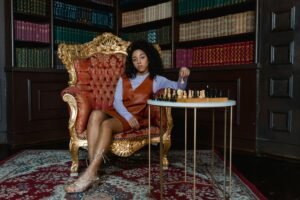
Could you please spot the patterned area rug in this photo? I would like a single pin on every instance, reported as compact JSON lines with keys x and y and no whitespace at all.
{"x":41,"y":174}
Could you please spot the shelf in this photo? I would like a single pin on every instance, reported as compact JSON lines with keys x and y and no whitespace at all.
{"x":217,"y":12}
{"x":32,"y":17}
{"x":147,"y":26}
{"x":217,"y":68}
{"x":19,"y":43}
{"x":139,"y":4}
{"x":86,"y":27}
{"x":37,"y":70}
{"x":216,"y":40}
{"x":88,"y":4}
{"x":165,"y":46}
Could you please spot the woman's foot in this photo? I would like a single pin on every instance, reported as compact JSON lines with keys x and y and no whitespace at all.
{"x":81,"y":184}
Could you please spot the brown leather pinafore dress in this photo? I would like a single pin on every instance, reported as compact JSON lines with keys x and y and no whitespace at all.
{"x":135,"y":100}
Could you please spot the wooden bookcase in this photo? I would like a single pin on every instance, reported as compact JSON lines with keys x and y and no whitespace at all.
{"x":35,"y":77}
{"x":230,"y":76}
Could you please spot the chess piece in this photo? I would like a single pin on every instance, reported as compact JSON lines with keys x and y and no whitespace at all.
{"x":190,"y":94}
{"x":202,"y":94}
{"x":198,"y":94}
{"x":165,"y":94}
{"x":174,"y":95}
{"x":180,"y":94}
{"x":169,"y":94}
{"x":184,"y":94}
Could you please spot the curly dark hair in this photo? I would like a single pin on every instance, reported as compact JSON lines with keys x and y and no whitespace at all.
{"x":155,"y":66}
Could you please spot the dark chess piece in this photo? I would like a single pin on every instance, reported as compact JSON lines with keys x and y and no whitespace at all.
{"x":220,"y":93}
{"x":213,"y":93}
{"x":208,"y":92}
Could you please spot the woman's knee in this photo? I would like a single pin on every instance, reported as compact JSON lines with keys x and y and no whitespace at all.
{"x":96,"y":116}
{"x":112,"y":125}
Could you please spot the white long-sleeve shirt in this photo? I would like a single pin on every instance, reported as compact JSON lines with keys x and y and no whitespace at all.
{"x":159,"y":82}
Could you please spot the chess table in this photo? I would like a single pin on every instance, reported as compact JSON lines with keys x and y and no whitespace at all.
{"x":196,"y":105}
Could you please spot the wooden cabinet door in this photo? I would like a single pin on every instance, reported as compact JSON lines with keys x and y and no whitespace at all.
{"x":279,"y":78}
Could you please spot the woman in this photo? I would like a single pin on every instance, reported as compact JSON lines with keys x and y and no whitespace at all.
{"x":141,"y":80}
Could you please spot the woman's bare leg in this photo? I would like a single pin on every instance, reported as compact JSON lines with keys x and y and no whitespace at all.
{"x":93,"y":130}
{"x":108,"y":127}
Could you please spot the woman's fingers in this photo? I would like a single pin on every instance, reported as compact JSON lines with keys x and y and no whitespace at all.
{"x":134,"y":123}
{"x":184,"y":72}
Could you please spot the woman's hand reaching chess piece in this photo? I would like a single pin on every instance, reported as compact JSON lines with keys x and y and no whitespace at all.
{"x":184,"y":73}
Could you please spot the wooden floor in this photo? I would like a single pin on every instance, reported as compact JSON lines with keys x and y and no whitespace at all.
{"x":276,"y":178}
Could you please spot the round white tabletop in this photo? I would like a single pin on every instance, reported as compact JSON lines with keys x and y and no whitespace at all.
{"x":191,"y":105}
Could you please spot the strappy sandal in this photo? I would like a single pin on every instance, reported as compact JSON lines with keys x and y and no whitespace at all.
{"x":99,"y":154}
{"x":83,"y":184}
{"x":80,"y":185}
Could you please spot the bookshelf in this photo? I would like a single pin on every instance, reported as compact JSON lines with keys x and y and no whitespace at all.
{"x":31,"y":25}
{"x":214,"y":33}
{"x":80,"y":22}
{"x":216,"y":39}
{"x":38,"y":26}
{"x":152,"y":19}
{"x":189,"y":29}
{"x":35,"y":77}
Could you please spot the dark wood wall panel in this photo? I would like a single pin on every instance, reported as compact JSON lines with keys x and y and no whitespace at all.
{"x":1,"y":99}
{"x":3,"y":34}
{"x":38,"y":113}
{"x":281,"y":121}
{"x":281,"y":87}
{"x":283,"y":20}
{"x":279,"y":78}
{"x":242,"y":88}
{"x":282,"y":54}
{"x":44,"y":101}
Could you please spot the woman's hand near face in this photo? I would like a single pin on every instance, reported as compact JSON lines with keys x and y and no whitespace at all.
{"x":134,"y":123}
{"x":184,"y":72}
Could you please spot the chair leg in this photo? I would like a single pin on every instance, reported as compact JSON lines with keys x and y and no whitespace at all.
{"x":74,"y":150}
{"x":166,"y":148}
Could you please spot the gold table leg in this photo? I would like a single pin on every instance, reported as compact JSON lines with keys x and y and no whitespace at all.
{"x":160,"y":156}
{"x":149,"y":150}
{"x":225,"y":152}
{"x":195,"y":147}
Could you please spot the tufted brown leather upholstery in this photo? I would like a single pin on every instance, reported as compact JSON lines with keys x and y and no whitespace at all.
{"x":93,"y":77}
{"x":97,"y":77}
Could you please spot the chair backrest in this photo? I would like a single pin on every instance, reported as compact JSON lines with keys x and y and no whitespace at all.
{"x":95,"y":67}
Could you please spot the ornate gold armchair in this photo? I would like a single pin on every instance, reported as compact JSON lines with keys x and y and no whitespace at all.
{"x":94,"y":69}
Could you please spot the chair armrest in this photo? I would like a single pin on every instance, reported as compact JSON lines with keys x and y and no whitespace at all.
{"x":80,"y":107}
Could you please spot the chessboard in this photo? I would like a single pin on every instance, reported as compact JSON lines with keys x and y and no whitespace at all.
{"x":202,"y":100}
{"x":192,"y":96}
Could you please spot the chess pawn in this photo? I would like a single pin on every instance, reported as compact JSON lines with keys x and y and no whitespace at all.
{"x":207,"y":91}
{"x":174,"y":95}
{"x":184,"y":94}
{"x":198,"y":94}
{"x":165,"y":94}
{"x":190,"y":94}
{"x":202,"y":94}
{"x":168,"y":94}
{"x":220,"y":93}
